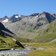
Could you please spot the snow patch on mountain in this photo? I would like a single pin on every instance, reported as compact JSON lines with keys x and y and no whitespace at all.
{"x":16,"y":16}
{"x":6,"y":20}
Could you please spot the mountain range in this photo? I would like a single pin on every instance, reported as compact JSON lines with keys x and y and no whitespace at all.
{"x":37,"y":27}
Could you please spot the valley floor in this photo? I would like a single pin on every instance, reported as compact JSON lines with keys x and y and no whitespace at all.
{"x":42,"y":49}
{"x":35,"y":49}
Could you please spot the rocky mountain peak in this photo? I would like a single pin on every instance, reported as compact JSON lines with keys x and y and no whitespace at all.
{"x":34,"y":14}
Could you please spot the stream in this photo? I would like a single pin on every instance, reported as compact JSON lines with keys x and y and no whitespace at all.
{"x":14,"y":52}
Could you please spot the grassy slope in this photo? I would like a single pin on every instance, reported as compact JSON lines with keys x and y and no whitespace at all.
{"x":42,"y":35}
{"x":47,"y":52}
{"x":43,"y":39}
{"x":48,"y":34}
{"x":6,"y":43}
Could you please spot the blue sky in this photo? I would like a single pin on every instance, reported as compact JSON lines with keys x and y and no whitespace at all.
{"x":26,"y":7}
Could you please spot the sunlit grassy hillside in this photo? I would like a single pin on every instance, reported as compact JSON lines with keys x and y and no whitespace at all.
{"x":48,"y":34}
{"x":6,"y":43}
{"x":47,"y":52}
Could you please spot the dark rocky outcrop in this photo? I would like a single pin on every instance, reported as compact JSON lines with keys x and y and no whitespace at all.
{"x":6,"y":32}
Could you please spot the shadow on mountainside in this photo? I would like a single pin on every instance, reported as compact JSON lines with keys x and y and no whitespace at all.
{"x":6,"y":32}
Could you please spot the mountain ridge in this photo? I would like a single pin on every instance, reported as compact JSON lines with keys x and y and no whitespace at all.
{"x":28,"y":27}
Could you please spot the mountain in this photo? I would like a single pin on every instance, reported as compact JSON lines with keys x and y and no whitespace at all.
{"x":31,"y":21}
{"x":28,"y":27}
{"x":4,"y":19}
{"x":15,"y":18}
{"x":48,"y":34}
{"x":4,"y":32}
